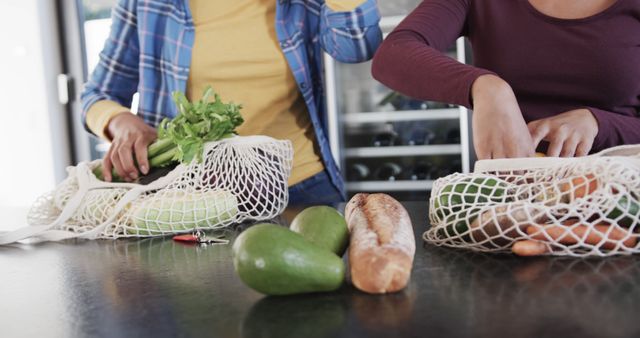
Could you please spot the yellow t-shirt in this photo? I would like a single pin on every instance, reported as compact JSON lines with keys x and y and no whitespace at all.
{"x":236,"y":51}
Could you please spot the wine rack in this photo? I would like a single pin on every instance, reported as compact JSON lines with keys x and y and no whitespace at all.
{"x":386,"y":142}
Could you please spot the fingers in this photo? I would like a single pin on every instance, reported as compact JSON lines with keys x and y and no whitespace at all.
{"x":125,"y":153}
{"x":565,"y":137}
{"x":121,"y":157}
{"x":482,"y":151}
{"x":483,"y":154}
{"x":140,"y":148}
{"x":131,"y":137}
{"x":126,"y":156}
{"x":569,"y":147}
{"x":115,"y":160}
{"x":584,"y":147}
{"x":538,"y":131}
{"x":498,"y":152}
{"x":557,"y":139}
{"x":107,"y":165}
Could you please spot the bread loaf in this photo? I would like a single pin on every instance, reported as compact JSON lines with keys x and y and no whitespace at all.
{"x":382,"y":243}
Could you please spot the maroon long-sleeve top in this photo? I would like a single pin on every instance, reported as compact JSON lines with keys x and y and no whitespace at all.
{"x":553,"y":65}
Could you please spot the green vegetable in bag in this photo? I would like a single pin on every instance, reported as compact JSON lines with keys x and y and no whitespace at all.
{"x":176,"y":211}
{"x":625,"y":206}
{"x":470,"y":191}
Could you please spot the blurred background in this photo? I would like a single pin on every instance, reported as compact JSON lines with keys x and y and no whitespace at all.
{"x":51,"y":48}
{"x":383,"y":141}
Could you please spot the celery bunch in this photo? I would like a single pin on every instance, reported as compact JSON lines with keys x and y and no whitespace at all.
{"x":182,"y":138}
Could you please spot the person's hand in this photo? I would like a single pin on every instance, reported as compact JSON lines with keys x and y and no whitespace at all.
{"x":130,"y":138}
{"x":569,"y":134}
{"x":499,"y":130}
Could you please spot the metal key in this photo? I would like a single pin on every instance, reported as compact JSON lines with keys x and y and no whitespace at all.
{"x":199,"y":237}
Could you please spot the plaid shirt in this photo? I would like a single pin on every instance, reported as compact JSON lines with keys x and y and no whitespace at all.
{"x":149,"y":52}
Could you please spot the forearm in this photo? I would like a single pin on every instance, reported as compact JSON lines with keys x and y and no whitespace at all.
{"x":407,"y":63}
{"x":615,"y":129}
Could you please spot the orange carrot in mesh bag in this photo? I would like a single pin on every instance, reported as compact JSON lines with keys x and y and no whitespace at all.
{"x":528,"y":248}
{"x":604,"y":235}
{"x":578,"y":187}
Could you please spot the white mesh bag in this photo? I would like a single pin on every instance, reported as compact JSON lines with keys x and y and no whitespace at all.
{"x":239,"y":178}
{"x":588,"y":206}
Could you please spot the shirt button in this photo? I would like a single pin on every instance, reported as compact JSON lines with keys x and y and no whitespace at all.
{"x":303,"y":85}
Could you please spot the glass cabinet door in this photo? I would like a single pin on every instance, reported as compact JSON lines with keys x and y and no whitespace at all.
{"x":386,"y":141}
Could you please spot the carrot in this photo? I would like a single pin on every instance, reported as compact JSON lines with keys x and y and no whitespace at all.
{"x":529,"y":248}
{"x":572,"y":233}
{"x":578,"y":187}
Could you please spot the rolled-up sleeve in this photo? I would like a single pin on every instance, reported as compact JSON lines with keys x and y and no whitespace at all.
{"x":115,"y":78}
{"x":351,"y":36}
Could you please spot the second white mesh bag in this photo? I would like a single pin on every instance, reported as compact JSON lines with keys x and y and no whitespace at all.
{"x":587,"y":206}
{"x":238,"y":179}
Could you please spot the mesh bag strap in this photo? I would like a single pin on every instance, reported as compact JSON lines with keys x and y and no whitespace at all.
{"x":86,"y":182}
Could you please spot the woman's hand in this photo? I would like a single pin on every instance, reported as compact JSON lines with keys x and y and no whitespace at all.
{"x":499,"y":130}
{"x":569,"y":134}
{"x":130,"y":138}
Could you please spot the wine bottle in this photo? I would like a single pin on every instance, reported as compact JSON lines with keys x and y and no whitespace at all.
{"x":385,"y":139}
{"x":420,"y":171}
{"x":388,"y":171}
{"x":421,"y":136}
{"x":358,"y":172}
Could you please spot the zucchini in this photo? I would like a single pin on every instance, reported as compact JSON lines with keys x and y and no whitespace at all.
{"x":179,"y":211}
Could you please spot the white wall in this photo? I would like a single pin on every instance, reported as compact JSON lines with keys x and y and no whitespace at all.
{"x":26,"y":154}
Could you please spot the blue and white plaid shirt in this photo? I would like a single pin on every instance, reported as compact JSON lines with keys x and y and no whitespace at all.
{"x":149,"y":52}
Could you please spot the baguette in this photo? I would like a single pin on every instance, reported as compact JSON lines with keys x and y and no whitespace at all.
{"x":382,"y":243}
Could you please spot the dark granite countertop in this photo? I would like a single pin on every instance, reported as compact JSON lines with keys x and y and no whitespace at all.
{"x":156,"y":287}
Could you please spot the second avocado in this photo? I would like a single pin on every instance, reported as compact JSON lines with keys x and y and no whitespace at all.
{"x":323,"y":226}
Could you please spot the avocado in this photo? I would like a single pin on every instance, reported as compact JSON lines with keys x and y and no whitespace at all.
{"x":323,"y":226}
{"x":274,"y":260}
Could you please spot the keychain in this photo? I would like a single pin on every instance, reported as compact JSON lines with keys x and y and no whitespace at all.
{"x":199,"y":237}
